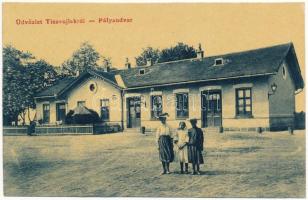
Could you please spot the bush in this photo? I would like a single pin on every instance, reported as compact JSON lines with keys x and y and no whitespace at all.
{"x":69,"y":117}
{"x":91,"y":118}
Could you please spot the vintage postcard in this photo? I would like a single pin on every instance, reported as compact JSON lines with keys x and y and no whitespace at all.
{"x":154,"y":100}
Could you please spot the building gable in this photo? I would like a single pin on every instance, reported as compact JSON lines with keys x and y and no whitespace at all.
{"x":67,"y":84}
{"x":91,"y":91}
{"x":294,"y":69}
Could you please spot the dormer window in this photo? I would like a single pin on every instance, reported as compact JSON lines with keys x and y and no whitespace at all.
{"x":219,"y":61}
{"x":141,"y":71}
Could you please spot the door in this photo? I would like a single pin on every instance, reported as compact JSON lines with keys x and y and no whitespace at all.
{"x":134,"y":112}
{"x":46,"y":113}
{"x":60,"y":111}
{"x":211,"y":108}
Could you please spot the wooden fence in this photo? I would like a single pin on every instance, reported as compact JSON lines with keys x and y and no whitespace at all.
{"x":64,"y":129}
{"x":15,"y":130}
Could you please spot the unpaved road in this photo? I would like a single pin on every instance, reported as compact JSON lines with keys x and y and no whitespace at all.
{"x":237,"y":165}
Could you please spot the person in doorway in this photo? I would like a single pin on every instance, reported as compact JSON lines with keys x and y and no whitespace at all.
{"x":165,"y":143}
{"x":181,"y":141}
{"x":195,"y":146}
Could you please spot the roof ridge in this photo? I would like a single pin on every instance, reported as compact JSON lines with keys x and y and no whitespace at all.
{"x":219,"y":55}
{"x":251,"y":50}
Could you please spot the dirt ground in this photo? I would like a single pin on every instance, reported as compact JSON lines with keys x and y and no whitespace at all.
{"x":237,"y":165}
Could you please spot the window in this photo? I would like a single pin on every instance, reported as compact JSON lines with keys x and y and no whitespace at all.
{"x":46,"y":113}
{"x":141,"y":71}
{"x":60,"y":111}
{"x":156,"y":106}
{"x":218,"y":61}
{"x":182,"y":105}
{"x":92,"y":87}
{"x":243,"y":102}
{"x":284,"y":73}
{"x":105,"y":109}
{"x":81,"y":103}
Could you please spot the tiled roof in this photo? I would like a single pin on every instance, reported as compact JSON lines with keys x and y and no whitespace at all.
{"x":108,"y":76}
{"x":247,"y":63}
{"x":57,"y":88}
{"x":263,"y":61}
{"x":64,"y":84}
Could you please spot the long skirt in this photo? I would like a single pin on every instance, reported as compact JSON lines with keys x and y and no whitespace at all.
{"x":183,"y":154}
{"x":165,"y":145}
{"x":194,"y":155}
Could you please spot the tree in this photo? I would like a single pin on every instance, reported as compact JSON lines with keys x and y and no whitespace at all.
{"x":179,"y":52}
{"x":86,"y":57}
{"x":14,"y":87}
{"x":106,"y":64}
{"x":147,"y":53}
{"x":22,"y":78}
{"x":38,"y":75}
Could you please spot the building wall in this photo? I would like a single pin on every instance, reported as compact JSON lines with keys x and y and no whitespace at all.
{"x":266,"y":111}
{"x":39,"y":110}
{"x":282,"y":102}
{"x":92,"y":99}
{"x":260,"y":105}
{"x":169,"y":107}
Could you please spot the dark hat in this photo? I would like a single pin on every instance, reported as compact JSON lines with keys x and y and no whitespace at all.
{"x":193,"y":120}
{"x":163,"y":116}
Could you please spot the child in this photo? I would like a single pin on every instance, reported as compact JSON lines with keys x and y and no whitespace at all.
{"x":182,"y":140}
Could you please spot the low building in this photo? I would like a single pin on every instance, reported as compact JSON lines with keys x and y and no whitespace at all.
{"x":236,"y":91}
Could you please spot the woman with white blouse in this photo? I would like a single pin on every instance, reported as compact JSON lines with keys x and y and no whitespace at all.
{"x":165,"y":145}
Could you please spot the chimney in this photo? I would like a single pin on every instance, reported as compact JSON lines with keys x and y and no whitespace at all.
{"x":200,"y":52}
{"x":77,"y":73}
{"x":149,"y":62}
{"x":107,"y":68}
{"x":127,"y":64}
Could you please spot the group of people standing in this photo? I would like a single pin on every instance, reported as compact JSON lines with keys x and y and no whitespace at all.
{"x":188,"y":145}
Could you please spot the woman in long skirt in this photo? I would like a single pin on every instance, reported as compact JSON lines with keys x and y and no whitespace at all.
{"x":195,"y":146}
{"x":165,"y":144}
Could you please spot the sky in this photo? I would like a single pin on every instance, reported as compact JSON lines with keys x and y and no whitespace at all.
{"x":220,"y":28}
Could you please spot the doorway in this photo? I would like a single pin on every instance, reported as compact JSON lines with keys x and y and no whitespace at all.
{"x":211,"y":108}
{"x":133,"y":112}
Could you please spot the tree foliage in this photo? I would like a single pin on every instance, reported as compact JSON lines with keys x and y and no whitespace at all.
{"x":14,"y":89}
{"x":39,"y":75}
{"x":178,"y":52}
{"x":23,"y":76}
{"x":86,"y":57}
{"x":147,"y":53}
